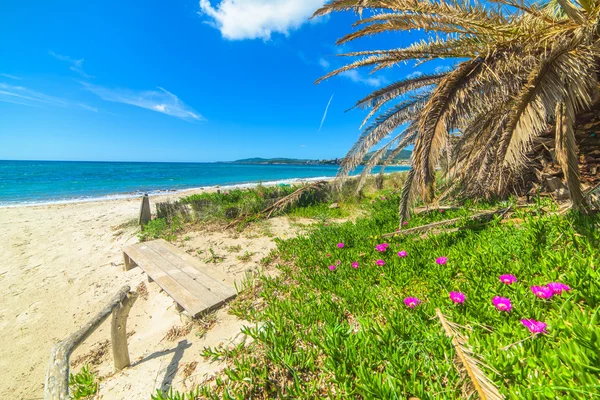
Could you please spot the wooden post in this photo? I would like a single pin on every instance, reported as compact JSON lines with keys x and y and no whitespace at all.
{"x":57,"y":375}
{"x":118,"y":332}
{"x":145,"y":214}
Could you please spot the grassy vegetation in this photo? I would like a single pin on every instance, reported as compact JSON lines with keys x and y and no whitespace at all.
{"x":223,"y":207}
{"x":83,"y":385}
{"x":346,"y":332}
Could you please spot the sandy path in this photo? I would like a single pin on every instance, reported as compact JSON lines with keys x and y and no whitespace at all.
{"x":58,"y":266}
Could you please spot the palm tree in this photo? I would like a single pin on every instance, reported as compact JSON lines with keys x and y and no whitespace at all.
{"x":517,"y":68}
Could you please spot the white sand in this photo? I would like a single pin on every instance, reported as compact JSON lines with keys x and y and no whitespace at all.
{"x":60,"y":263}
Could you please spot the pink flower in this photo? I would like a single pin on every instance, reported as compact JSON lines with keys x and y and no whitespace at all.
{"x":354,"y":264}
{"x":405,"y":223}
{"x":340,"y":245}
{"x":441,"y":260}
{"x":502,"y":303}
{"x":457,"y":297}
{"x":441,"y":210}
{"x":328,"y":255}
{"x":381,"y":263}
{"x":558,"y":288}
{"x":338,"y":262}
{"x":402,"y":253}
{"x":383,"y":198}
{"x":534,"y":326}
{"x":508,"y":279}
{"x":382,"y":247}
{"x":332,"y":267}
{"x":412,"y":302}
{"x":543,"y":292}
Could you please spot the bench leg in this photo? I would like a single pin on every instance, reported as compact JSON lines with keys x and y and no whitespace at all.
{"x":128,"y":262}
{"x":150,"y":280}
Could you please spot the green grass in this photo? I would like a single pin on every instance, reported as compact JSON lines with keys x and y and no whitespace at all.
{"x":83,"y":385}
{"x":347,"y":333}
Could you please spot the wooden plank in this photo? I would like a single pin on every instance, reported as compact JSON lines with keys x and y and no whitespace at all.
{"x":182,"y":295}
{"x":171,"y":264}
{"x":192,"y":267}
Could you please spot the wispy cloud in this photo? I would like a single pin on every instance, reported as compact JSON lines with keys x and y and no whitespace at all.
{"x":357,"y":77}
{"x":76,"y":65}
{"x":28,"y":97}
{"x":442,"y":68}
{"x":160,"y":100}
{"x":324,"y":63}
{"x":325,"y":113}
{"x":87,"y":107}
{"x":252,"y":19}
{"x":415,"y":74}
{"x":9,"y":76}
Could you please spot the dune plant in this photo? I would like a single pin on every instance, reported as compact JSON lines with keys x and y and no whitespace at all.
{"x":517,"y":67}
{"x":340,"y":324}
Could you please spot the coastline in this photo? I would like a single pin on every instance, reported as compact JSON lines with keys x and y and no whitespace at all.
{"x":163,"y":194}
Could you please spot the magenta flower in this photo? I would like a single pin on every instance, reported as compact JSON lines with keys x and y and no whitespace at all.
{"x":332,"y":267}
{"x":328,"y":255}
{"x":508,"y":279}
{"x":402,"y":253}
{"x":558,"y":288}
{"x":381,"y":263}
{"x":457,"y":297}
{"x":534,"y":326}
{"x":405,"y":223}
{"x":502,"y":303}
{"x":383,"y":198}
{"x":543,"y":292}
{"x":441,"y":260}
{"x":382,"y":247}
{"x":340,"y":245}
{"x":412,"y":302}
{"x":354,"y":264}
{"x":441,"y":210}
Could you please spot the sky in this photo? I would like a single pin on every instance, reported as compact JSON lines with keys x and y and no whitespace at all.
{"x":179,"y":80}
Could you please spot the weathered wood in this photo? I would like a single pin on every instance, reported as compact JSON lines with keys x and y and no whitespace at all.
{"x":428,"y":227}
{"x":57,"y":374}
{"x":145,"y":213}
{"x":128,"y":263}
{"x":118,"y":332}
{"x":181,"y":277}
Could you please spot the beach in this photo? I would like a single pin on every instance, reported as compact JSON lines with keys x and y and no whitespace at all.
{"x":61,"y":263}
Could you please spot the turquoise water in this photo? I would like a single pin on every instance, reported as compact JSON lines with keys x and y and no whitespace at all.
{"x":35,"y":182}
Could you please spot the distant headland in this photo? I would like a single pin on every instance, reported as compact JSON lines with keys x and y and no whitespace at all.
{"x":401,"y":159}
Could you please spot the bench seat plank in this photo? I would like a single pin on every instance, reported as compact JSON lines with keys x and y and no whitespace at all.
{"x":192,"y":289}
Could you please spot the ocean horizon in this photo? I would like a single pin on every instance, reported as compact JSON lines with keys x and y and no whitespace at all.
{"x":48,"y":182}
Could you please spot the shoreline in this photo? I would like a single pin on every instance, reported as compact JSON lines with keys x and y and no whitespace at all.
{"x":174,"y":192}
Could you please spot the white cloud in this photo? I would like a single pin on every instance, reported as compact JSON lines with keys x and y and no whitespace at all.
{"x":76,"y":65}
{"x":9,"y":76}
{"x":355,"y":76}
{"x":324,"y":63}
{"x":415,"y":74}
{"x":159,"y":100}
{"x":28,"y":97}
{"x":87,"y":107}
{"x":442,"y":68}
{"x":252,"y":19}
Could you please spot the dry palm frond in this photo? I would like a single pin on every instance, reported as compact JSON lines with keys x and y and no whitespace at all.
{"x":512,"y":65}
{"x":468,"y":364}
{"x":566,"y":152}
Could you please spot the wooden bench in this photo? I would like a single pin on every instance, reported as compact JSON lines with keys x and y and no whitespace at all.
{"x":185,"y":279}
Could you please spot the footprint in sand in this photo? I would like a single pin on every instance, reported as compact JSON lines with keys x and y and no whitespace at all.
{"x":30,"y":315}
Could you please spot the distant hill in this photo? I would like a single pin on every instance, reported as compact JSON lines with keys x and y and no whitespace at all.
{"x":258,"y":160}
{"x":403,"y":156}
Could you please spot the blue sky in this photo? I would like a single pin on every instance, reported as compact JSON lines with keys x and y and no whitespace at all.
{"x":179,"y":80}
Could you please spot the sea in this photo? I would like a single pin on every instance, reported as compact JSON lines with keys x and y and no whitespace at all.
{"x":46,"y":182}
